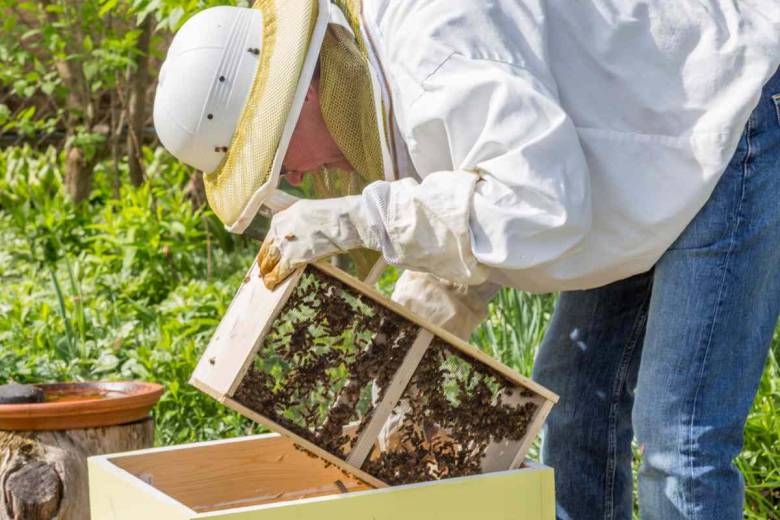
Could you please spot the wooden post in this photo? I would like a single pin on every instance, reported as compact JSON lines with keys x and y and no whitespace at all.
{"x":43,"y":474}
{"x":136,"y":109}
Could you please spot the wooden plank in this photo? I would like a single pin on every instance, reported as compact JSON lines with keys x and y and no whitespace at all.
{"x":376,"y":272}
{"x":246,"y":322}
{"x":453,"y":340}
{"x":189,"y":445}
{"x":220,"y":476}
{"x":533,"y":430}
{"x":393,"y":394}
{"x":306,"y":444}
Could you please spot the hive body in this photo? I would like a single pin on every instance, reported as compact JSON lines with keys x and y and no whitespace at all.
{"x":265,"y":478}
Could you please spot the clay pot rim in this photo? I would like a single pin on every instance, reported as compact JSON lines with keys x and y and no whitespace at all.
{"x":136,"y":396}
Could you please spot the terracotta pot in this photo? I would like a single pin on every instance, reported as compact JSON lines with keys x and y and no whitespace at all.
{"x":69,"y":406}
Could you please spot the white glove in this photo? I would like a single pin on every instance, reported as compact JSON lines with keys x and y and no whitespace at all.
{"x":310,"y":230}
{"x":455,"y":308}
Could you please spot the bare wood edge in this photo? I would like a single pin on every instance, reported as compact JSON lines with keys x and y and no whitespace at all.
{"x":531,"y":433}
{"x":284,"y":294}
{"x":376,"y":271}
{"x":308,"y":445}
{"x":203,"y":372}
{"x":450,"y":338}
{"x":393,"y":394}
{"x":111,"y":457}
{"x":206,"y":389}
{"x":204,"y":357}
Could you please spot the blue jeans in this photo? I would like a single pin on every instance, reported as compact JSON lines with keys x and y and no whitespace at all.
{"x":673,"y":356}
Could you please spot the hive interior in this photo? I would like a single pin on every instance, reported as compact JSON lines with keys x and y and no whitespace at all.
{"x":248,"y":471}
{"x":327,"y":361}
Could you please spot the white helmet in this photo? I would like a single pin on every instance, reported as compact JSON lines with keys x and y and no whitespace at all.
{"x":204,"y":83}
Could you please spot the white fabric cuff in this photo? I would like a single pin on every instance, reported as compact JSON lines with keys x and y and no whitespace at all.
{"x":424,"y":226}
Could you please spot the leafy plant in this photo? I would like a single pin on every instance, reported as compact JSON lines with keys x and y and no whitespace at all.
{"x":80,"y":73}
{"x":127,"y":288}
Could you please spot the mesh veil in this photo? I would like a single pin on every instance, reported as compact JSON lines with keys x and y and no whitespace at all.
{"x":248,"y":163}
{"x":347,"y":103}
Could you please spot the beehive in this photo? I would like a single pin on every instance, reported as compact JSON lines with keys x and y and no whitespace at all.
{"x":359,"y":381}
{"x":265,"y":478}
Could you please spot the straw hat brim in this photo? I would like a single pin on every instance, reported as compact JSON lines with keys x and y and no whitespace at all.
{"x":293,"y":31}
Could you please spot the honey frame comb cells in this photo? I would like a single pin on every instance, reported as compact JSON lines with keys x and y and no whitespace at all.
{"x":359,"y":381}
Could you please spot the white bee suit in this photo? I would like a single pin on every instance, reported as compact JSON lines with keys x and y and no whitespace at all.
{"x":558,"y":145}
{"x":545,"y":146}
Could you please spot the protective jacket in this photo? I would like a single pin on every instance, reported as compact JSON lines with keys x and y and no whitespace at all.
{"x":556,"y":145}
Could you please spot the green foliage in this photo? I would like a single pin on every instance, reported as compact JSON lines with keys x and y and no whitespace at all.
{"x":63,"y":59}
{"x":116,"y":289}
{"x":760,"y":459}
{"x":514,"y":327}
{"x":133,"y":287}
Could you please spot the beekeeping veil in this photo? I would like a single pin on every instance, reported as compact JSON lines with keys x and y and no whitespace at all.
{"x":253,"y":68}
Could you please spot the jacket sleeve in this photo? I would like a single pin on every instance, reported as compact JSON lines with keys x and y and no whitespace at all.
{"x":504,"y":182}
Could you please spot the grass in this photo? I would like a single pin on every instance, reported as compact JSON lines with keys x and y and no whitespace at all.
{"x":132,"y":288}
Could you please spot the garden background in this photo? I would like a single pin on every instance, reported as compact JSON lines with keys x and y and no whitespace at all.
{"x":111,"y":267}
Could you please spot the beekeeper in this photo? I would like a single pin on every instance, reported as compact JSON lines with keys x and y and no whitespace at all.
{"x":544,"y":146}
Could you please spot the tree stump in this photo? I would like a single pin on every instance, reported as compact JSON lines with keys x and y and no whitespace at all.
{"x":43,"y":474}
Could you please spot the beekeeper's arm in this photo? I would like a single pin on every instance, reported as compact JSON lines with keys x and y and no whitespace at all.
{"x":508,"y":186}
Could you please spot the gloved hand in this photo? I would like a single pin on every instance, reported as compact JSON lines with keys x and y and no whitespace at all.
{"x":310,"y":230}
{"x":456,"y":309}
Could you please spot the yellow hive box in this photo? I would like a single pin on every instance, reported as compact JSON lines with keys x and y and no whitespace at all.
{"x":266,"y":477}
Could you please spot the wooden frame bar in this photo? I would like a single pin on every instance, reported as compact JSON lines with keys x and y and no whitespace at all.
{"x":237,"y":338}
{"x":392,"y":395}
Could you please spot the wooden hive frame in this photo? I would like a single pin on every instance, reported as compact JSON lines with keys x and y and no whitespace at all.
{"x":250,"y":318}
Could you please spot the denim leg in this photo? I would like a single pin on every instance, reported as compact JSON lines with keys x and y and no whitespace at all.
{"x":714,"y":307}
{"x":590,"y":357}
